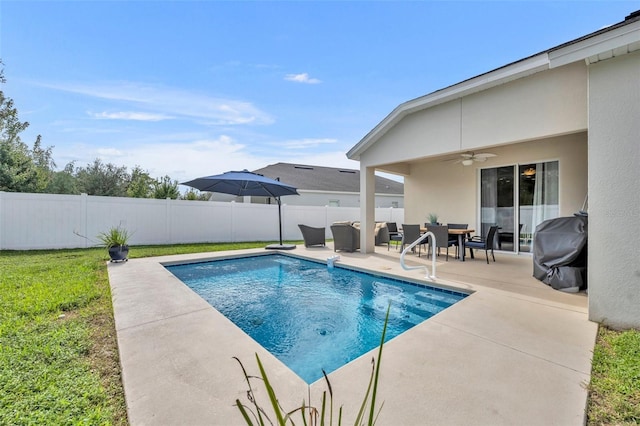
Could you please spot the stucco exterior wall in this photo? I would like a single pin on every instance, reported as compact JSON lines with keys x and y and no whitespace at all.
{"x":549,"y":103}
{"x":452,"y":190}
{"x":614,"y":198}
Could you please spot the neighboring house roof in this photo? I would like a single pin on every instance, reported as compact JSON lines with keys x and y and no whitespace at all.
{"x":601,"y":44}
{"x":330,"y":179}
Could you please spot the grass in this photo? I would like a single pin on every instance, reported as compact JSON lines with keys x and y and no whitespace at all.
{"x":614,"y":391}
{"x":59,"y":358}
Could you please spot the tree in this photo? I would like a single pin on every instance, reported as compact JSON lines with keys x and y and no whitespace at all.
{"x":195,"y":195}
{"x":166,"y":188}
{"x":21,"y":169}
{"x":64,"y":181}
{"x":103,"y":179}
{"x":141,"y":184}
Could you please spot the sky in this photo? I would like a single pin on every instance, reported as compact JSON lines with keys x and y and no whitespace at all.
{"x":196,"y":88}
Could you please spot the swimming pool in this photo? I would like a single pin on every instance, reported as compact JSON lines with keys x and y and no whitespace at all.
{"x":309,"y":316}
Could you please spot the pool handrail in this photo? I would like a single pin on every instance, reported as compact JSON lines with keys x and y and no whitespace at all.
{"x":424,"y":236}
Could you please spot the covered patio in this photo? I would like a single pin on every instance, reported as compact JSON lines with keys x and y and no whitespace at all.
{"x":561,"y":129}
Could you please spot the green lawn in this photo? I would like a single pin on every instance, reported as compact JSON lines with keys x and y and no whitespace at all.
{"x":59,"y":360}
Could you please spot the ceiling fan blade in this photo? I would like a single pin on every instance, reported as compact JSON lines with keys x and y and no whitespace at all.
{"x":484,"y":155}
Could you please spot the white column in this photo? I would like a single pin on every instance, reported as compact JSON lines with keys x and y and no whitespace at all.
{"x":367,"y":209}
{"x":614,"y":218}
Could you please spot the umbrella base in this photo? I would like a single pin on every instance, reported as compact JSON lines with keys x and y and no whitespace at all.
{"x":280,"y":247}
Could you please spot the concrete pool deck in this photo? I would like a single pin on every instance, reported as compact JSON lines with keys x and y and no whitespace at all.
{"x":514,"y":352}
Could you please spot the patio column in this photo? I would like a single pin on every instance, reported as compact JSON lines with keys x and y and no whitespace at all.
{"x":367,"y":208}
{"x":613,"y":273}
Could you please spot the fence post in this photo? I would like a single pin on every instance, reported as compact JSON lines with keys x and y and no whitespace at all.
{"x":233,"y":223}
{"x":83,"y":217}
{"x":167,"y":220}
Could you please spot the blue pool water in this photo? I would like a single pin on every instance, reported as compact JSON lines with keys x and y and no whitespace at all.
{"x":307,"y":315}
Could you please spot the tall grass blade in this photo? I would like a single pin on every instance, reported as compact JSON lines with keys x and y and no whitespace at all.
{"x":270,"y":392}
{"x":244,"y":413}
{"x":324,"y":373}
{"x":372,"y":417}
{"x":250,"y":394}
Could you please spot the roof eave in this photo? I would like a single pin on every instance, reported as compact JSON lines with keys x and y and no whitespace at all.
{"x":617,"y":39}
{"x":610,"y":42}
{"x":479,"y":83}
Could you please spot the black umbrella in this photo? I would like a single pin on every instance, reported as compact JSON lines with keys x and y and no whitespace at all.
{"x":247,"y":183}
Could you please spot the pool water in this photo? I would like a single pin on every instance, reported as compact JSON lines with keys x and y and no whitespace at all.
{"x":309,"y":316}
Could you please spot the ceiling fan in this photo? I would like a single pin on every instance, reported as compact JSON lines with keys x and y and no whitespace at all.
{"x":469,"y":157}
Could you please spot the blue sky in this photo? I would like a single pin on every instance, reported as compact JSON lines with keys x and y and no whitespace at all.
{"x":194,"y":88}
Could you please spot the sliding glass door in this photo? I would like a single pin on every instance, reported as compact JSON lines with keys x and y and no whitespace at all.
{"x":516,"y":199}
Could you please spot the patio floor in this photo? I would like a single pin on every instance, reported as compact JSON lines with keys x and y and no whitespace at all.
{"x":514,"y":352}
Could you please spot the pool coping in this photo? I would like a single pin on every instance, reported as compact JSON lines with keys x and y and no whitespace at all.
{"x":492,"y":358}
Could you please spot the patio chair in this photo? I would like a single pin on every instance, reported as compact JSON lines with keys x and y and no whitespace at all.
{"x":345,"y":237}
{"x":441,"y":234}
{"x":485,"y":244}
{"x":410,"y":233}
{"x":508,"y":237}
{"x":453,"y":239}
{"x":312,"y":236}
{"x":394,"y":235}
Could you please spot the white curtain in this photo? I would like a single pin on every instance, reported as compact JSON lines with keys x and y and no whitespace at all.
{"x":545,"y":195}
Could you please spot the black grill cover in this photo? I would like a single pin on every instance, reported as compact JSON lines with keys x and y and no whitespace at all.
{"x":560,"y":253}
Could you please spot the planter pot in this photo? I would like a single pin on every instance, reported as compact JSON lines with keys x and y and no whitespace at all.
{"x":119,"y":253}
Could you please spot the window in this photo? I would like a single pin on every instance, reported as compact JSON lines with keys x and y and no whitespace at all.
{"x":517,"y":203}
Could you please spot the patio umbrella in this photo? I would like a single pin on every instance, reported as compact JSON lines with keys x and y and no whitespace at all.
{"x":247,"y":183}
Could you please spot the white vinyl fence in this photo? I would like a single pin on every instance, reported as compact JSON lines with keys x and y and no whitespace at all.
{"x":51,"y":221}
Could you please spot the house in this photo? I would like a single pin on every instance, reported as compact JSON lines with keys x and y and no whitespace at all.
{"x":329,"y":186}
{"x":564,"y":128}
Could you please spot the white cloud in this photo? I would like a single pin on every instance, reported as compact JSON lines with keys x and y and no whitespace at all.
{"x":126,"y":115}
{"x":109,"y":152}
{"x":302,"y":78}
{"x":170,"y":102}
{"x":305,"y":143}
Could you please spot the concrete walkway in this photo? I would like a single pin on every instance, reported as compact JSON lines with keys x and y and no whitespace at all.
{"x":515,"y":352}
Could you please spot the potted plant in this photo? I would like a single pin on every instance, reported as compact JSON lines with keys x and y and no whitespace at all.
{"x":116,"y":241}
{"x":433,"y":218}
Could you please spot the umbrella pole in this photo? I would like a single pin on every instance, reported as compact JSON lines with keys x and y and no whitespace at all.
{"x":280,"y":219}
{"x":280,"y":246}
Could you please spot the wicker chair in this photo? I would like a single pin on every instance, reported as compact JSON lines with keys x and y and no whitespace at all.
{"x":346,"y":237}
{"x":312,"y":236}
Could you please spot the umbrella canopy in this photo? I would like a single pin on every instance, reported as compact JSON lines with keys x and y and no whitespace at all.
{"x":247,"y":183}
{"x":242,"y":183}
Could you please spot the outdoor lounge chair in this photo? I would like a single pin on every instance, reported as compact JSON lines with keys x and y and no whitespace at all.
{"x":346,"y":237}
{"x":381,"y":234}
{"x":485,"y":244}
{"x":312,"y":236}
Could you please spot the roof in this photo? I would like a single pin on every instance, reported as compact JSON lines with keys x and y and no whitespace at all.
{"x":613,"y":40}
{"x":317,"y":178}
